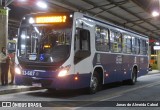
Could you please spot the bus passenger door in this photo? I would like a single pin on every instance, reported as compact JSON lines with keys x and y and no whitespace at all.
{"x":82,"y":53}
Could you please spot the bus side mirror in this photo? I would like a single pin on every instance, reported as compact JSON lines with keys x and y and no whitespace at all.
{"x":80,"y":55}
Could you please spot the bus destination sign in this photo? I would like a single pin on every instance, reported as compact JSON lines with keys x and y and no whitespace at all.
{"x":50,"y":19}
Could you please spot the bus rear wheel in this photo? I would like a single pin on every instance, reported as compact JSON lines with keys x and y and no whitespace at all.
{"x":94,"y":83}
{"x":133,"y":79}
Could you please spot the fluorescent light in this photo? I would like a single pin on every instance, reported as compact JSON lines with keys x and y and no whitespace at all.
{"x":27,"y":37}
{"x":23,"y":46}
{"x":42,"y":4}
{"x":155,"y":13}
{"x":23,"y":36}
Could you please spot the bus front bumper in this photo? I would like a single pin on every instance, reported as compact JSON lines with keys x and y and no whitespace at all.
{"x":67,"y":82}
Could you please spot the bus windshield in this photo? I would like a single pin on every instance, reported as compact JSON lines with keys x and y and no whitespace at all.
{"x":50,"y":44}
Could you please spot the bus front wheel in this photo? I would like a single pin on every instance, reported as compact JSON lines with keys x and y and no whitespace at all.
{"x":94,"y":83}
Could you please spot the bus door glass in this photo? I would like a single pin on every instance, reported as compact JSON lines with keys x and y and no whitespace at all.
{"x":82,"y":43}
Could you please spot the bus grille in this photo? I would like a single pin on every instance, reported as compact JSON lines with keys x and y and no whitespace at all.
{"x":38,"y":67}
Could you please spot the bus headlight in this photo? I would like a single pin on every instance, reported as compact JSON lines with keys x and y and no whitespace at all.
{"x":17,"y":70}
{"x":63,"y":71}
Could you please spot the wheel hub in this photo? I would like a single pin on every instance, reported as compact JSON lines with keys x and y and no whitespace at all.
{"x":94,"y":83}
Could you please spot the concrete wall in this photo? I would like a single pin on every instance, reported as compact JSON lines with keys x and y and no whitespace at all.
{"x":3,"y":27}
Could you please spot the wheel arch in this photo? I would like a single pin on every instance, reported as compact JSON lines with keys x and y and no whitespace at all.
{"x":100,"y":70}
{"x":135,"y":67}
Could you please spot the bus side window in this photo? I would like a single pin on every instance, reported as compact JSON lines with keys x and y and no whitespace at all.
{"x":127,"y":43}
{"x":143,"y":47}
{"x":135,"y":45}
{"x":116,"y":41}
{"x":139,"y":46}
{"x":82,"y":44}
{"x":102,"y":39}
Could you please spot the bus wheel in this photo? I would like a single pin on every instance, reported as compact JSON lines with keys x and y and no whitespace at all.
{"x":134,"y":77}
{"x":94,"y":83}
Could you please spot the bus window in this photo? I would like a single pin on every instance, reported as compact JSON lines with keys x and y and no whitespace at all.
{"x":135,"y":45}
{"x":127,"y":43}
{"x":143,"y":47}
{"x":82,"y":44}
{"x":102,"y":39}
{"x":116,"y":41}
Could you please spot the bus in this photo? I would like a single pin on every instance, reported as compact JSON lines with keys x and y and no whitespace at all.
{"x":75,"y":50}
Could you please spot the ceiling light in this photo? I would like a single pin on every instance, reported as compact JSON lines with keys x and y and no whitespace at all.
{"x":31,"y":20}
{"x":71,"y":15}
{"x":42,"y":4}
{"x":155,"y":13}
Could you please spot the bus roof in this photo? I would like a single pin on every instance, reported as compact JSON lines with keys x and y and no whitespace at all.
{"x":112,"y":25}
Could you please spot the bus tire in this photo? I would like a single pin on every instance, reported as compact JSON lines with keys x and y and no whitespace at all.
{"x":94,"y":83}
{"x":133,"y":79}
